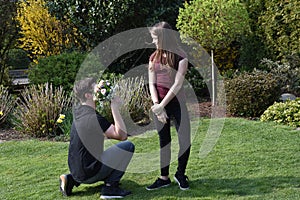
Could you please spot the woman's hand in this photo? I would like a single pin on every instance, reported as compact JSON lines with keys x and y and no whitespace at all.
{"x":157,"y":109}
{"x":162,"y":117}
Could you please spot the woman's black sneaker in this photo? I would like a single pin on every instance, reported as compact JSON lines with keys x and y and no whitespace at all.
{"x":182,"y":181}
{"x":159,"y":183}
{"x":113,"y":192}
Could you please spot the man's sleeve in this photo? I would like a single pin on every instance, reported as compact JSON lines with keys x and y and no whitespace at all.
{"x":104,"y":123}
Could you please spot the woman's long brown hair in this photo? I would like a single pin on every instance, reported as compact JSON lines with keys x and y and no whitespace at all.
{"x":167,"y":44}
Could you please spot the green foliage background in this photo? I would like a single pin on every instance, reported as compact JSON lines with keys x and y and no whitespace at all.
{"x":280,"y":25}
{"x":59,"y":70}
{"x":8,"y":35}
{"x":251,"y":93}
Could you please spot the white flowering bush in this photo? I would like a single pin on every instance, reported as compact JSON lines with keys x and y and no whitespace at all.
{"x":287,"y":113}
{"x":287,"y":74}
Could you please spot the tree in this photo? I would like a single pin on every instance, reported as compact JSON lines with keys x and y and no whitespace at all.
{"x":8,"y":32}
{"x":98,"y":20}
{"x":280,"y":25}
{"x":42,"y":34}
{"x":95,"y":19}
{"x":147,"y":13}
{"x":215,"y":25}
{"x":253,"y":47}
{"x":255,"y":9}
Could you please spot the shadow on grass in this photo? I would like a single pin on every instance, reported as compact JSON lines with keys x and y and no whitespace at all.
{"x":244,"y":186}
{"x":85,"y":190}
{"x":204,"y":188}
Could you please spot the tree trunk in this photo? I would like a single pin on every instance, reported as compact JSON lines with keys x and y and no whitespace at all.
{"x":213,"y":80}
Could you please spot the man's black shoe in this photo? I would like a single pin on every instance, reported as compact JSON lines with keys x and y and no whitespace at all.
{"x":113,"y":192}
{"x":66,"y":184}
{"x":159,"y":183}
{"x":182,"y":181}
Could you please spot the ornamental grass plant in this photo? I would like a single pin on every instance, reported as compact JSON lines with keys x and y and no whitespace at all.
{"x":7,"y":102}
{"x":136,"y":99}
{"x":38,"y":109}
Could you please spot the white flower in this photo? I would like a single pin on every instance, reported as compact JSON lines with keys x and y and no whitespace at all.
{"x":103,"y":91}
{"x":96,"y":87}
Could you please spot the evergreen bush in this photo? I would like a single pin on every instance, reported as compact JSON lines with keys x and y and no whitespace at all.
{"x":249,"y":94}
{"x":17,"y":59}
{"x":288,"y":74}
{"x":59,"y":70}
{"x":197,"y":82}
{"x":287,"y":113}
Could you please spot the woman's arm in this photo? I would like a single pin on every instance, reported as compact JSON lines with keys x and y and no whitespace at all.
{"x":152,"y":82}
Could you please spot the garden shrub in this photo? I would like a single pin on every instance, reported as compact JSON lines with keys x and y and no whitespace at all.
{"x":38,"y":109}
{"x":18,"y":59}
{"x":7,"y":102}
{"x":249,"y":94}
{"x":5,"y":79}
{"x":288,"y":73}
{"x":197,"y":82}
{"x":59,"y":70}
{"x":287,"y":113}
{"x":279,"y":26}
{"x":249,"y":59}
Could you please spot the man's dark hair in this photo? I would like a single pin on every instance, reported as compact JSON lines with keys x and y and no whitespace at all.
{"x":82,"y":87}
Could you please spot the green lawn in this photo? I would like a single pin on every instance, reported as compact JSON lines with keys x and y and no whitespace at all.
{"x":251,"y":160}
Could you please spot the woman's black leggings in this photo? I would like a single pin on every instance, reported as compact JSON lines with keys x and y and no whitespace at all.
{"x":178,"y":112}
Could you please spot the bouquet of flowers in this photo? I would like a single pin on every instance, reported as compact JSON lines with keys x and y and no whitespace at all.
{"x":103,"y":91}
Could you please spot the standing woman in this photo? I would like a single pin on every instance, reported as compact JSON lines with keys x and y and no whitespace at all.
{"x":167,"y":68}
